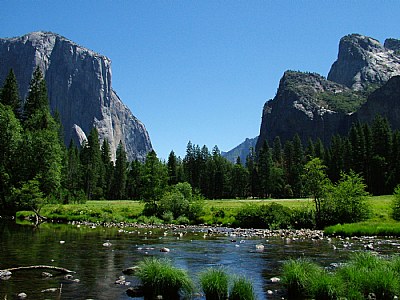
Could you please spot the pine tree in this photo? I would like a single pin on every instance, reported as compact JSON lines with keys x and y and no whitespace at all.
{"x":134,"y":181}
{"x":120,"y":173}
{"x":36,"y":108}
{"x":239,"y":180}
{"x":10,"y":95}
{"x":91,"y":164}
{"x":172,"y":169}
{"x":277,"y":151}
{"x":264,"y":169}
{"x":107,"y":169}
{"x":10,"y":138}
{"x":71,"y":174}
{"x":254,"y":181}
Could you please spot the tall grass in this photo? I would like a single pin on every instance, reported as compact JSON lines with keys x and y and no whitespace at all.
{"x":159,"y":277}
{"x":214,"y":283}
{"x":369,"y":228}
{"x":242,"y":289}
{"x":298,"y":276}
{"x":364,"y":275}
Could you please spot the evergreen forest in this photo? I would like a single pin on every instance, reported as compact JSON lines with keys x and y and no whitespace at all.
{"x":36,"y":167}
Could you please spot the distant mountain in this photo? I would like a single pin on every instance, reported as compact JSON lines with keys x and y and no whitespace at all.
{"x":79,"y":88}
{"x":313,"y":107}
{"x":240,"y":151}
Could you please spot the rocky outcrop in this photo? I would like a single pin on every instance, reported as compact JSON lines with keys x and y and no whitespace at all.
{"x":304,"y":105}
{"x":79,"y":88}
{"x":314,"y":107}
{"x":363,"y":61}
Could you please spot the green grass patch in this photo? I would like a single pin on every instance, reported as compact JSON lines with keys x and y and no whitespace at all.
{"x":214,"y":283}
{"x":95,"y":211}
{"x":364,"y":275}
{"x":366,"y":228}
{"x":242,"y":289}
{"x":160,"y":277}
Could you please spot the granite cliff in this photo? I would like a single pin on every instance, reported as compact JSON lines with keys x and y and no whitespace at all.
{"x":313,"y":107}
{"x":79,"y":88}
{"x":363,"y":61}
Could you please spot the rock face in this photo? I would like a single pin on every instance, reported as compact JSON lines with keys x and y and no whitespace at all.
{"x":79,"y":88}
{"x":385,"y":101}
{"x":314,"y":107}
{"x":302,"y":106}
{"x":363,"y":61}
{"x":240,"y":151}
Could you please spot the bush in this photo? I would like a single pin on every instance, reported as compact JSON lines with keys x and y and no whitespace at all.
{"x":303,"y":218}
{"x":346,"y":202}
{"x":272,"y":216}
{"x":180,"y":201}
{"x":159,"y":277}
{"x":242,"y":289}
{"x":214,"y":283}
{"x":396,"y":204}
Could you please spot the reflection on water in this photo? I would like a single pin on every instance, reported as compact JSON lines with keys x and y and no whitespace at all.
{"x":98,"y":267}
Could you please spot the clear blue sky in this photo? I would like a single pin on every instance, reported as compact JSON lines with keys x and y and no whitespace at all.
{"x":202,"y":70}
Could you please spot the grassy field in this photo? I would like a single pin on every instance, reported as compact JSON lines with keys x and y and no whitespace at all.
{"x":220,"y":212}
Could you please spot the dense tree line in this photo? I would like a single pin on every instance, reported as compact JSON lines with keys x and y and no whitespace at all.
{"x":35,"y":166}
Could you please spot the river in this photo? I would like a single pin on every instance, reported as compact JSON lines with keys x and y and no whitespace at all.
{"x":81,"y":249}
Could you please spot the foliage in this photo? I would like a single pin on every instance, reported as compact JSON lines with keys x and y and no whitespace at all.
{"x":272,"y":216}
{"x":160,"y":277}
{"x":346,"y":101}
{"x":29,"y":196}
{"x":181,"y":203}
{"x":316,"y":183}
{"x":396,"y":204}
{"x":346,"y":201}
{"x":214,"y":283}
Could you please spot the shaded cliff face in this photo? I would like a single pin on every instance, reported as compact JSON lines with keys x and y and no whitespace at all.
{"x":385,"y":101}
{"x":308,"y":105}
{"x":79,"y":88}
{"x":363,"y":61}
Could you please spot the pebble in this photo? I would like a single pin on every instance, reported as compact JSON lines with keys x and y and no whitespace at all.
{"x":22,"y":295}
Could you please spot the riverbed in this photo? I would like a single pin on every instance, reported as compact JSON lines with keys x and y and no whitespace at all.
{"x":99,"y":254}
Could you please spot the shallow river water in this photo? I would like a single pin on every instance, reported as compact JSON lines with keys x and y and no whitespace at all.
{"x":80,"y":248}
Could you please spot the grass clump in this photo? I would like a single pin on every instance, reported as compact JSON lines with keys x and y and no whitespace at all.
{"x":159,"y":277}
{"x":242,"y":289}
{"x":363,"y":276}
{"x":298,"y":276}
{"x":214,"y":283}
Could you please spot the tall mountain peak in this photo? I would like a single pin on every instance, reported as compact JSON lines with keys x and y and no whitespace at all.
{"x":363,"y":61}
{"x":79,"y":88}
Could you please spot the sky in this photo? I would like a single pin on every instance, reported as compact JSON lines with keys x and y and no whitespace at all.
{"x":202,"y":70}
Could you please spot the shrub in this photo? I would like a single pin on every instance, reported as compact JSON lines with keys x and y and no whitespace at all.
{"x":396,"y":204}
{"x":242,"y":289}
{"x":272,"y":216}
{"x":214,"y":283}
{"x":180,"y":201}
{"x":159,"y":277}
{"x":303,"y":218}
{"x":346,"y":201}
